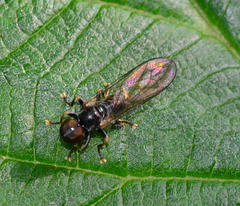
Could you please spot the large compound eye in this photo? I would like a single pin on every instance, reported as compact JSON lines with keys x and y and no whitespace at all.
{"x":71,"y":132}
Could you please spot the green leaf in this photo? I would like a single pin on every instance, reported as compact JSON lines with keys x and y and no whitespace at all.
{"x":185,"y":150}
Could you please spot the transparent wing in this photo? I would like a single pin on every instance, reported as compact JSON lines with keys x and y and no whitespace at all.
{"x":135,"y":87}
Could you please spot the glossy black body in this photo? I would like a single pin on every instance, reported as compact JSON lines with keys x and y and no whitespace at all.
{"x":91,"y":117}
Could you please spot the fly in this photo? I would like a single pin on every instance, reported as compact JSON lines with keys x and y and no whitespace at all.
{"x":132,"y":89}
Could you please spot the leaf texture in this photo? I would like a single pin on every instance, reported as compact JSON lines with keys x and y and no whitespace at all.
{"x":185,"y":150}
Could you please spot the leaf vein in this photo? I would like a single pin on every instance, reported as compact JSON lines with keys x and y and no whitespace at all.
{"x":9,"y":106}
{"x":109,"y":193}
{"x":37,"y":31}
{"x":72,"y":47}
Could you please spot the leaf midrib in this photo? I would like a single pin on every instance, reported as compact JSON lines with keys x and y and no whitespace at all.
{"x":126,"y":178}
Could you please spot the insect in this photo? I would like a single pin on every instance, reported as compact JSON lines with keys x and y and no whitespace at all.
{"x":132,"y":89}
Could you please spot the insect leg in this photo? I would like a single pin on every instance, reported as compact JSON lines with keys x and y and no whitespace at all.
{"x":107,"y":87}
{"x":85,"y":142}
{"x":105,"y":139}
{"x":64,"y":96}
{"x":101,"y":92}
{"x":121,"y":122}
{"x":98,"y":95}
{"x":69,"y":156}
{"x":76,"y":147}
{"x":71,"y":114}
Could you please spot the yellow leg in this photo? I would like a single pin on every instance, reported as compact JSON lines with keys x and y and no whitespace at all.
{"x":64,"y":96}
{"x":69,"y":156}
{"x":121,"y":122}
{"x":61,"y":120}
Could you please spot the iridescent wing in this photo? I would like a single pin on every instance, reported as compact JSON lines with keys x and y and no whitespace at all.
{"x":135,"y":87}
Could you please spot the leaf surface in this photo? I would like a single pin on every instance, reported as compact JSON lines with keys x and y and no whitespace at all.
{"x":185,"y":150}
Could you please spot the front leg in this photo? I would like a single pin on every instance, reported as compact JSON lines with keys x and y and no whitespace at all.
{"x":64,"y":96}
{"x":121,"y":122}
{"x":76,"y":147}
{"x":71,"y":114}
{"x":105,"y":139}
